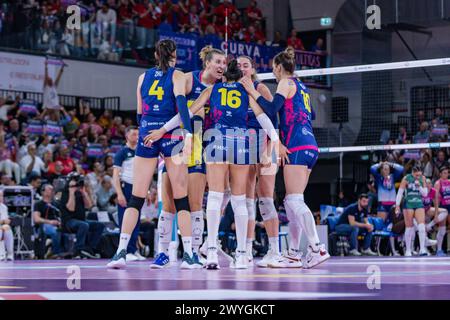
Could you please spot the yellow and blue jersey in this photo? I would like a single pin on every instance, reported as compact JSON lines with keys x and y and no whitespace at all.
{"x":158,"y":99}
{"x":229,"y":105}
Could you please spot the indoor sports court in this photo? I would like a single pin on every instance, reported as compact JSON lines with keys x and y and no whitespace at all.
{"x":223,"y":150}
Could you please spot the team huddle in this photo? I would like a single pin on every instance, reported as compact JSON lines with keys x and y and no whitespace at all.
{"x":217,"y":127}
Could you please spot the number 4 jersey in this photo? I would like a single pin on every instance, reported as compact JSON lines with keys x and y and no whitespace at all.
{"x":158,"y":100}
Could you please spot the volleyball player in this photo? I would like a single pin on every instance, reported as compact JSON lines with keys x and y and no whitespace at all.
{"x":414,"y":187}
{"x":293,"y":101}
{"x":442,"y":200}
{"x":266,"y":177}
{"x":160,"y":91}
{"x":227,"y":152}
{"x":431,"y":218}
{"x":214,"y":65}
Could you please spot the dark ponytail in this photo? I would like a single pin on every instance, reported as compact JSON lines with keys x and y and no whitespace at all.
{"x":286,"y":59}
{"x":164,"y":53}
{"x":233,"y":73}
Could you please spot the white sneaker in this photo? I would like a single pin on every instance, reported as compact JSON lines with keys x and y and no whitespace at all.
{"x":10,"y":257}
{"x":131,"y":257}
{"x":355,"y":253}
{"x":241,"y":262}
{"x":212,"y":260}
{"x":263,"y":263}
{"x":429,"y":227}
{"x":286,"y":261}
{"x":408,"y":254}
{"x":314,"y":258}
{"x":139,"y":256}
{"x":369,"y":252}
{"x":396,"y":253}
{"x":430,"y":242}
{"x":204,"y":251}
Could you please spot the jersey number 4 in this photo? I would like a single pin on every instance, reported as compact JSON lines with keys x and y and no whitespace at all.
{"x":156,"y":91}
{"x":230,"y":98}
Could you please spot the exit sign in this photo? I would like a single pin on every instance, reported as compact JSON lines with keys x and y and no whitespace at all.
{"x":326,"y":22}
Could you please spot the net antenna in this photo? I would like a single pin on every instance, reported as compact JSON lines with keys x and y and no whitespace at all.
{"x":226,"y":32}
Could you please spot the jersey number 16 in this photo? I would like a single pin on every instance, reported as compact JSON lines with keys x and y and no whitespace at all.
{"x":230,"y":98}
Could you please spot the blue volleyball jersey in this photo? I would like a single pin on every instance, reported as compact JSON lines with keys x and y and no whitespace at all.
{"x":251,"y":119}
{"x":158,"y":99}
{"x":197,"y":87}
{"x":252,"y":122}
{"x":229,"y":105}
{"x":295,"y":120}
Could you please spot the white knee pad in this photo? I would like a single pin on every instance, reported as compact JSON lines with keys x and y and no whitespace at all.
{"x":251,"y":208}
{"x":198,"y":226}
{"x":239,"y":205}
{"x":267,"y":209}
{"x":290,"y":204}
{"x":165,"y":225}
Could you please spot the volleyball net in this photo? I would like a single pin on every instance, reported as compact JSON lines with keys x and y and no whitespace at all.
{"x":377,"y":107}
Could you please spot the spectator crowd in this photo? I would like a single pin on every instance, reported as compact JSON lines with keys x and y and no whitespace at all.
{"x":127,"y":30}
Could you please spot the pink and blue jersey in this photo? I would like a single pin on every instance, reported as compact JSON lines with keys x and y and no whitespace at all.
{"x":296,"y":127}
{"x":444,"y":193}
{"x":428,"y":200}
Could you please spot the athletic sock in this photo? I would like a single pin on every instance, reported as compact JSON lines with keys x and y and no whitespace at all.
{"x":123,"y":242}
{"x":249,"y":246}
{"x":165,"y":227}
{"x":408,"y":238}
{"x":440,"y":236}
{"x":198,"y":226}
{"x":274,"y":245}
{"x":9,"y":241}
{"x":295,"y":230}
{"x":187,"y":245}
{"x":213,"y":207}
{"x":241,"y":220}
{"x":305,"y":218}
{"x":422,"y":236}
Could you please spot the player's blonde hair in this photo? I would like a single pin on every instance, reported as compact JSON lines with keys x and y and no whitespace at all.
{"x":287,"y":59}
{"x":207,"y":53}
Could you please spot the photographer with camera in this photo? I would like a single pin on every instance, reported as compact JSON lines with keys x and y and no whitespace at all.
{"x":75,"y":201}
{"x":46,"y":217}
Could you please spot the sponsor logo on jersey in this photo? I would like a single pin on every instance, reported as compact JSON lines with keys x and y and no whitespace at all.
{"x":158,"y":74}
{"x":144,"y":123}
{"x":229,"y":114}
{"x":306,"y":132}
{"x":198,"y":90}
{"x":155,"y":107}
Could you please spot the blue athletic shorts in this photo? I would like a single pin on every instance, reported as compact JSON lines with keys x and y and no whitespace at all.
{"x":200,"y":168}
{"x":303,"y":156}
{"x":169,"y":145}
{"x":385,"y":207}
{"x":223,"y":147}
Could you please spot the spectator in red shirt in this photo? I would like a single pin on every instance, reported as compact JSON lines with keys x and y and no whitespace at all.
{"x":219,"y":12}
{"x":66,"y":160}
{"x":294,"y":41}
{"x":253,"y":12}
{"x":253,"y":36}
{"x":234,"y":23}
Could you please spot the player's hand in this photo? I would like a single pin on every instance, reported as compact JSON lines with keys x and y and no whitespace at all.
{"x":149,"y":199}
{"x":283,"y":154}
{"x":7,"y":221}
{"x":187,"y":148}
{"x":153,"y":136}
{"x":369,"y":227}
{"x":121,"y":200}
{"x":248,"y":85}
{"x":397,"y":210}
